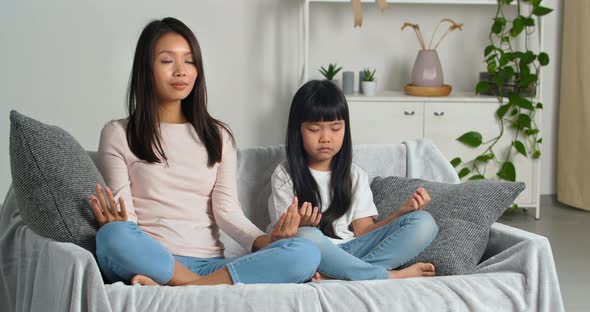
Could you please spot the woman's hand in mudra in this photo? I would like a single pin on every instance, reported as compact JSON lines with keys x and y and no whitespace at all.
{"x":288,"y":224}
{"x":107,"y":212}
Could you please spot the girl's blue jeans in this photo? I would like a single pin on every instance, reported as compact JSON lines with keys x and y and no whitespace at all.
{"x":124,"y":250}
{"x":370,"y":256}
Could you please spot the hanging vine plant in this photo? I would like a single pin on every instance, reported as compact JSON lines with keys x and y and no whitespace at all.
{"x":517,"y":104}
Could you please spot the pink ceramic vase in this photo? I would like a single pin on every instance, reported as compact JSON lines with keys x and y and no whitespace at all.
{"x":427,"y":71}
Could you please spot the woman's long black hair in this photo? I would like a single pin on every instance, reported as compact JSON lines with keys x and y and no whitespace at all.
{"x":143,"y":135}
{"x":318,"y":101}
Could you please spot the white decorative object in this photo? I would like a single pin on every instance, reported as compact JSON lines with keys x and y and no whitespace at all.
{"x":369,"y":88}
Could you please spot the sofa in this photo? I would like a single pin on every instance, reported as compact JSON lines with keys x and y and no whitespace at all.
{"x":516,"y":273}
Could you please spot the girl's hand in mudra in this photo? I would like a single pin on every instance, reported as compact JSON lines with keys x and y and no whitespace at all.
{"x":309,"y":216}
{"x":107,"y":212}
{"x":418,"y":201}
{"x":288,"y":224}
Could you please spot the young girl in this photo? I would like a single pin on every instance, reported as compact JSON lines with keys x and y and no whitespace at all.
{"x":172,"y":168}
{"x":320,"y":172}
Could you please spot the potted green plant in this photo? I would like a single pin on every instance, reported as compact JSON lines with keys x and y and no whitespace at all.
{"x":516,"y":107}
{"x":330,"y":72}
{"x":368,"y":82}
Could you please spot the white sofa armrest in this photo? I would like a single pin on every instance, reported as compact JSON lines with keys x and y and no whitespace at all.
{"x":40,"y":274}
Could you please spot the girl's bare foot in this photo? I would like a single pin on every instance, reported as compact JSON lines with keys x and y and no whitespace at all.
{"x":416,"y":270}
{"x":143,"y":280}
{"x":320,"y":277}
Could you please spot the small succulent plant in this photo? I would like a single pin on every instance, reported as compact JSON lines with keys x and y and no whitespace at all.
{"x":368,"y":75}
{"x":330,"y":72}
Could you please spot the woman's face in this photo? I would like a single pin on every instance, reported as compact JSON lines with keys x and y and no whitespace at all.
{"x":175,"y":71}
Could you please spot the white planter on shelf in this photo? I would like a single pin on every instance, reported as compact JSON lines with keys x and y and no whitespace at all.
{"x":369,"y":88}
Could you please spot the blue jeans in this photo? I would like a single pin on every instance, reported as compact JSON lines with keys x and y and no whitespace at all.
{"x":370,"y":256}
{"x":124,"y":250}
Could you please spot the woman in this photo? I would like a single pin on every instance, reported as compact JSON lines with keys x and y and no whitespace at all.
{"x":172,"y":169}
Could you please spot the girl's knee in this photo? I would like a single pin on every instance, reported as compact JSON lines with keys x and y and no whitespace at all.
{"x":426,"y":225}
{"x":311,"y":233}
{"x":303,"y":256}
{"x":305,"y":250}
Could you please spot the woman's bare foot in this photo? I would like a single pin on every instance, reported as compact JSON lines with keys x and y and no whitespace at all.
{"x":416,"y":270}
{"x":143,"y":280}
{"x":320,"y":277}
{"x":218,"y":277}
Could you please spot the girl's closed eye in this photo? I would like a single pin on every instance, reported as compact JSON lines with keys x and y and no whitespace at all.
{"x":166,"y":61}
{"x":190,"y":62}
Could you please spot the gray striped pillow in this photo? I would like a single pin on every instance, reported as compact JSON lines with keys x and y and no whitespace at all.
{"x":463,"y":212}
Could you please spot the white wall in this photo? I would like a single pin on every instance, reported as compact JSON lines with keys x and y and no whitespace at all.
{"x":67,"y":62}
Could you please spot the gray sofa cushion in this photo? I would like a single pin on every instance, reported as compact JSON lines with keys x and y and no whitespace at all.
{"x":464,"y":213}
{"x":53,"y":177}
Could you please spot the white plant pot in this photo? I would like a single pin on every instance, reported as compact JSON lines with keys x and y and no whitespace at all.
{"x":369,"y":88}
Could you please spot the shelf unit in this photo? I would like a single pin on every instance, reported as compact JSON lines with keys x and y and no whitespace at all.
{"x":399,"y":98}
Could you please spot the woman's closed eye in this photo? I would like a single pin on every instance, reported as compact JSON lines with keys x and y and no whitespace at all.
{"x":168,"y":61}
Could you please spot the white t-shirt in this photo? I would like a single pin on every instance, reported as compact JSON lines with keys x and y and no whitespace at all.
{"x":362,"y":205}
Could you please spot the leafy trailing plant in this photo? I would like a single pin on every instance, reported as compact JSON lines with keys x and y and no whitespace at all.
{"x":516,"y":111}
{"x":416,"y":29}
{"x":368,"y":75}
{"x":330,"y":72}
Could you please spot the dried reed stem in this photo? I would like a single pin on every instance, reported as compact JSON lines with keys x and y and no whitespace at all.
{"x":357,"y":8}
{"x":382,"y":4}
{"x":418,"y":33}
{"x":453,"y":26}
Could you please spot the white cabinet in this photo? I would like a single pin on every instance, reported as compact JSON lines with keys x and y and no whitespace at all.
{"x":394,"y":117}
{"x":445,"y":122}
{"x":392,"y":123}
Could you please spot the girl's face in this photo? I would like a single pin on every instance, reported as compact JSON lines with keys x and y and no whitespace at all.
{"x":174,"y":68}
{"x":322,"y":140}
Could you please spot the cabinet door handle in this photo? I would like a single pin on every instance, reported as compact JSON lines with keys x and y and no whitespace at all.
{"x":439,"y":113}
{"x":409,"y":113}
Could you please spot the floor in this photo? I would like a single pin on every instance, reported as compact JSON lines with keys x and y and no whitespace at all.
{"x":568,"y":230}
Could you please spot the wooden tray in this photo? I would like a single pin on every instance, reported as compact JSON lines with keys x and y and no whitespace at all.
{"x":443,"y":90}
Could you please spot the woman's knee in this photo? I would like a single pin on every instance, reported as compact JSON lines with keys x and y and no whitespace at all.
{"x":123,"y":250}
{"x":112,"y":236}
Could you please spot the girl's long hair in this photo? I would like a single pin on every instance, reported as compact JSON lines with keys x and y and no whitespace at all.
{"x":143,"y":135}
{"x":318,"y":101}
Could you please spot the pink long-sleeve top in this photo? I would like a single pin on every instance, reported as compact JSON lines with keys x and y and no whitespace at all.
{"x":181,"y":204}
